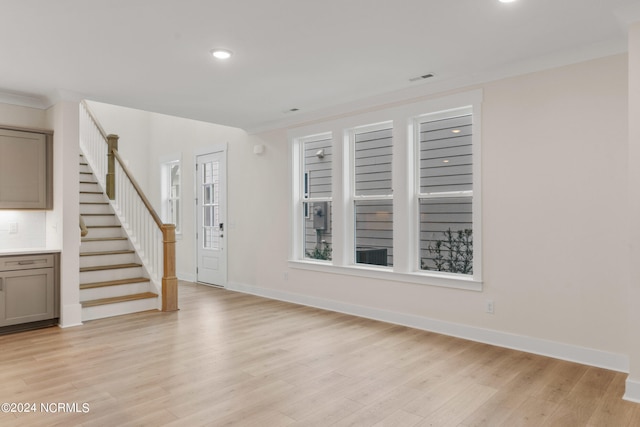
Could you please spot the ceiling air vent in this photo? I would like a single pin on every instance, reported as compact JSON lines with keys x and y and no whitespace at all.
{"x":422,"y":77}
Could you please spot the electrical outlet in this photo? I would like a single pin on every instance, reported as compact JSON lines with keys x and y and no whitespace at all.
{"x":13,"y":227}
{"x":489,"y":306}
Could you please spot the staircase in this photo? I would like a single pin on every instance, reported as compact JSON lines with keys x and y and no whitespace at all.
{"x":113,"y":281}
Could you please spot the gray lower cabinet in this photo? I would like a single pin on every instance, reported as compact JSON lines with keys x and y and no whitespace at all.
{"x":27,"y":289}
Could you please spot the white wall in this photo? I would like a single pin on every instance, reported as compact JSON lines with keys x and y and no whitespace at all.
{"x":554,"y":203}
{"x":173,"y":135}
{"x":633,"y":382}
{"x":62,"y":222}
{"x":147,"y":138}
{"x":31,"y":224}
{"x":132,"y":126}
{"x":554,"y":194}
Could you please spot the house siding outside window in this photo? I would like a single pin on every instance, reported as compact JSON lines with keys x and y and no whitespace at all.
{"x":401,"y":191}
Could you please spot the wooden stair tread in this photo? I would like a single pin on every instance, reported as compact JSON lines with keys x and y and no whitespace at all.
{"x":99,"y":239}
{"x":123,"y":298}
{"x":91,"y":192}
{"x":128,"y":251}
{"x":114,"y":282}
{"x":94,"y":203}
{"x":98,"y":214}
{"x":110,"y":267}
{"x":104,"y":226}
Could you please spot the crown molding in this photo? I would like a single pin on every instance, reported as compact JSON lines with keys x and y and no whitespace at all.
{"x":23,"y":100}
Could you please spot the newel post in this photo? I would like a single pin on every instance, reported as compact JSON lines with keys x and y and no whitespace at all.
{"x":169,"y":279}
{"x":112,"y":144}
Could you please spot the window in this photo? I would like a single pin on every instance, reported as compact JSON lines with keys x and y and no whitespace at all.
{"x":445,"y":191}
{"x":373,"y":194}
{"x":171,"y":193}
{"x":392,"y":194}
{"x":316,"y":197}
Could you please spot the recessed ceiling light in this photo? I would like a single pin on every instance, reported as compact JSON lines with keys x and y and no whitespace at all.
{"x":456,"y":131}
{"x":507,"y":1}
{"x":445,"y":161}
{"x":221,"y":53}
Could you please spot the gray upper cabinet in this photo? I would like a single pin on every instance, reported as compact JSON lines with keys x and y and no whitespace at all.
{"x":26,"y":169}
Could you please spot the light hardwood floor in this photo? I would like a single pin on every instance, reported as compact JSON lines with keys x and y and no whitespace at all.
{"x":231,"y":359}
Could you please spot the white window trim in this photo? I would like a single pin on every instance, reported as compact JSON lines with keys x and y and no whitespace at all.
{"x":406,"y":247}
{"x":165,"y":162}
{"x":301,"y":194}
{"x":349,"y":209}
{"x":475,"y":194}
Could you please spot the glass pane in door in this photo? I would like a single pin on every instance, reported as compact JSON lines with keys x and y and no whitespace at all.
{"x":210,"y":204}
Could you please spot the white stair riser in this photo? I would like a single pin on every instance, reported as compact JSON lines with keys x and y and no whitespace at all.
{"x":115,"y":291}
{"x":113,"y":274}
{"x":84,"y":168}
{"x":89,"y":187}
{"x":89,"y":197}
{"x":110,"y":310}
{"x":111,"y":259}
{"x":91,"y":208}
{"x":90,"y":220}
{"x":99,"y":233}
{"x":105,"y":245}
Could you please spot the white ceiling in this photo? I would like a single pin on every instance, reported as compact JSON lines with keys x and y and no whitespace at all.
{"x":319,"y":56}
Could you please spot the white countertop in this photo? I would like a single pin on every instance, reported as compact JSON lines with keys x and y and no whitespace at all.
{"x":27,"y":251}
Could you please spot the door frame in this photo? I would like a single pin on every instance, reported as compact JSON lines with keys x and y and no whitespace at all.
{"x":211,"y":149}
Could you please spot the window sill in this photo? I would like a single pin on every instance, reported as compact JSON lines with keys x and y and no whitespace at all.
{"x":445,"y":280}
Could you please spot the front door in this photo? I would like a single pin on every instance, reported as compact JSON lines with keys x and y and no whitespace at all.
{"x":211,"y":213}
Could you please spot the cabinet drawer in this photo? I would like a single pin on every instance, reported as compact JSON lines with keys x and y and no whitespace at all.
{"x":25,"y":262}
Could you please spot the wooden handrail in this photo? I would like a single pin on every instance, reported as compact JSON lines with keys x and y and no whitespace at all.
{"x":94,"y":120}
{"x":83,"y":227}
{"x":144,"y":199}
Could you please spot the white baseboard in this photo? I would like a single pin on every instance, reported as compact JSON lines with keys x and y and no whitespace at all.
{"x":632,"y":391}
{"x":572,"y":353}
{"x":70,"y":315}
{"x":187,"y":277}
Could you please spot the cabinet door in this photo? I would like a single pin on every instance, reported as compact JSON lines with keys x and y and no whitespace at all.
{"x":23,"y":170}
{"x":26,"y":296}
